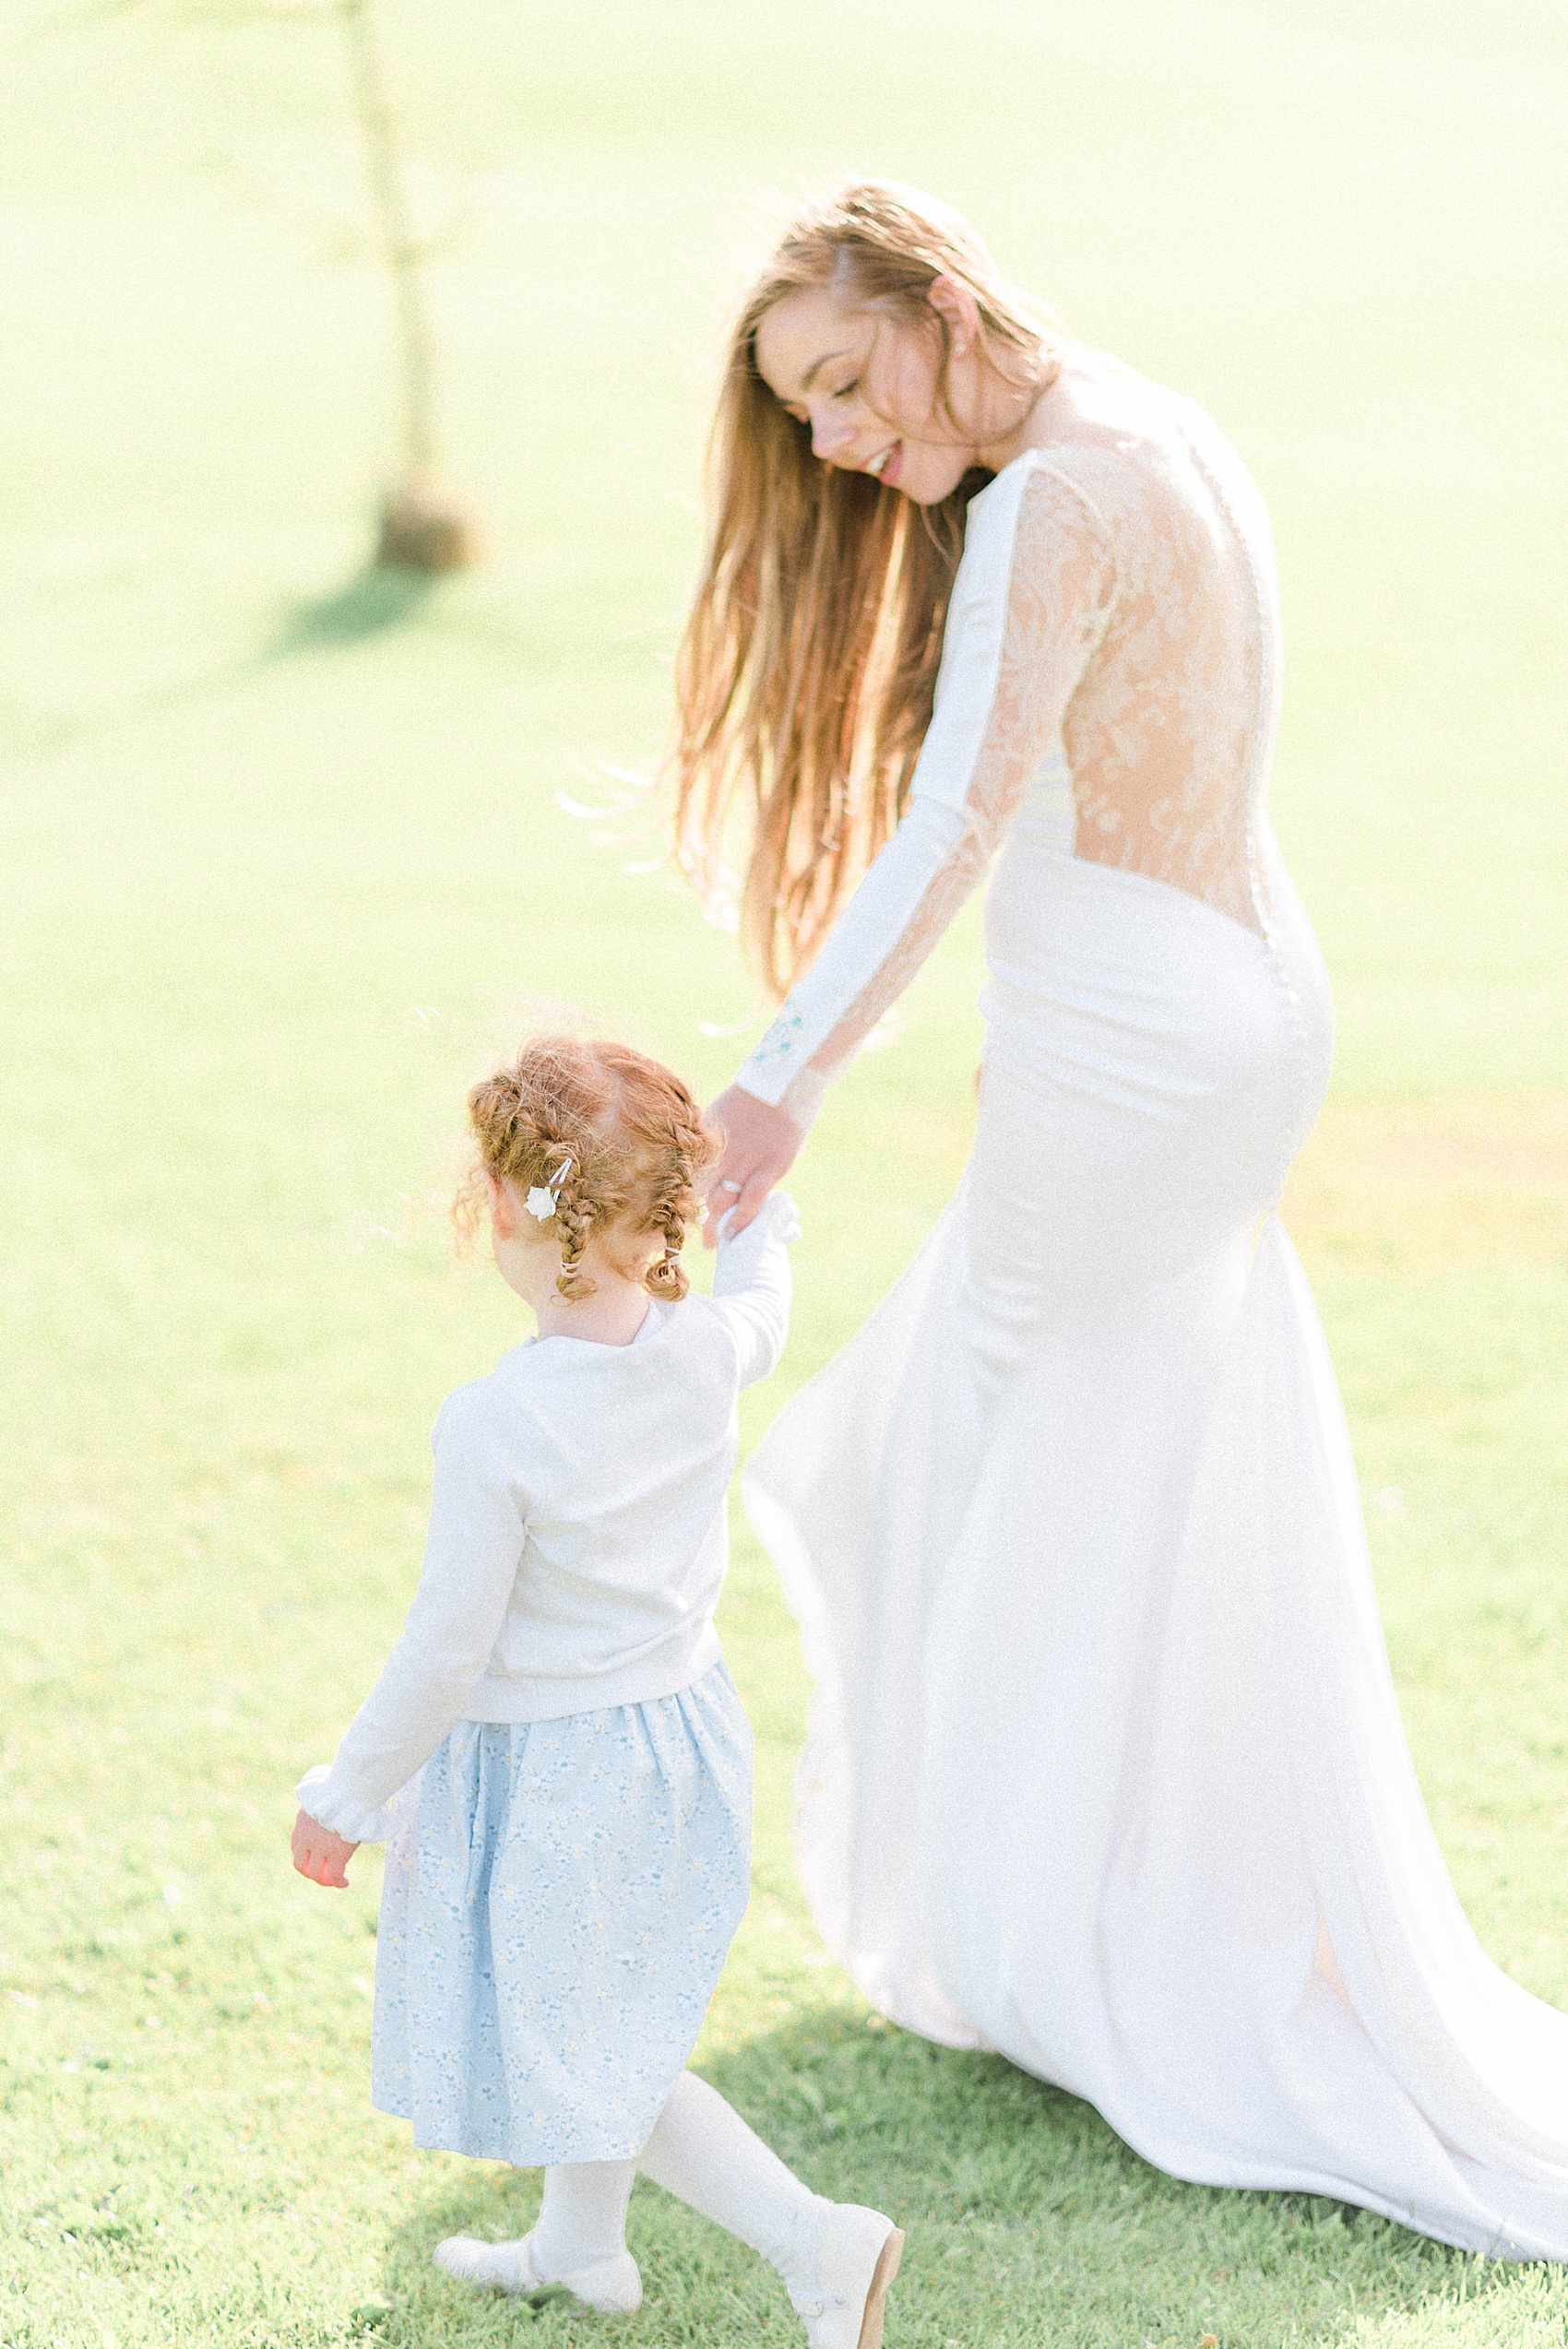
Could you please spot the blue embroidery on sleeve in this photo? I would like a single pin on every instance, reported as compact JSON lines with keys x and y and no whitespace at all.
{"x":781,"y":1038}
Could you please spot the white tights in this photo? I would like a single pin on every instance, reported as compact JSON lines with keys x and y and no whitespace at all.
{"x":700,"y":2150}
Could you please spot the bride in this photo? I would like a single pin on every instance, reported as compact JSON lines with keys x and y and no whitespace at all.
{"x":1105,"y":1767}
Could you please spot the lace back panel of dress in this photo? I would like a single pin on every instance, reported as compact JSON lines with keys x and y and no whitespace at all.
{"x":1169,"y":732}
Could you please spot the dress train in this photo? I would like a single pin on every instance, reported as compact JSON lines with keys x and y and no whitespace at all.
{"x":1105,"y":1767}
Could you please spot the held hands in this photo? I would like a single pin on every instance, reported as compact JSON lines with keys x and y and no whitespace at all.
{"x":319,"y":1853}
{"x":760,"y":1144}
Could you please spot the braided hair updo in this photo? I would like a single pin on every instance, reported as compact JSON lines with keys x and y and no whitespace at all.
{"x":617,"y":1138}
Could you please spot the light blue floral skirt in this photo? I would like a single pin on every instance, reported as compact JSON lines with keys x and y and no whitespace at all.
{"x":558,"y":1901}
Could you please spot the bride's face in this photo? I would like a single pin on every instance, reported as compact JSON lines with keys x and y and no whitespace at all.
{"x":867,"y":385}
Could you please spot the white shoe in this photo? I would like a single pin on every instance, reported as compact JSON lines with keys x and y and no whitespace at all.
{"x":613,"y":2286}
{"x":857,"y":2258}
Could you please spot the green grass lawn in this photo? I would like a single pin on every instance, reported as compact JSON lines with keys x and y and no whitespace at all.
{"x":284,"y":864}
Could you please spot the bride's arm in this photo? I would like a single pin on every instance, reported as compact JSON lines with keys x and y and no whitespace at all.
{"x":1031,"y":601}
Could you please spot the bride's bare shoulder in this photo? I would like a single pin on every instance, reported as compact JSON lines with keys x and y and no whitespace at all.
{"x":1124,"y":443}
{"x":1097,"y":401}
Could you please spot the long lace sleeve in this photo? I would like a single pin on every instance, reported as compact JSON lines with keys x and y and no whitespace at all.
{"x":1031,"y":601}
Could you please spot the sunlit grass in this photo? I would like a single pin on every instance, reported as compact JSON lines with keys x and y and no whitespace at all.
{"x":284,"y":863}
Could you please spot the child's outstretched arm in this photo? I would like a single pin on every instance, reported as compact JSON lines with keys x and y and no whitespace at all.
{"x":751,"y":1283}
{"x":472,"y":1552}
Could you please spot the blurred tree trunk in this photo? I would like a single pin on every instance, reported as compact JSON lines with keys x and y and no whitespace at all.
{"x":426,"y":526}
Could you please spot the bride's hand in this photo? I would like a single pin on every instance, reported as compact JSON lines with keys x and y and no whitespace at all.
{"x":760,"y":1142}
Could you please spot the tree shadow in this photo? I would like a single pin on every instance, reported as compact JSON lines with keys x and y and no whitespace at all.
{"x":377,"y":600}
{"x":1030,"y":2223}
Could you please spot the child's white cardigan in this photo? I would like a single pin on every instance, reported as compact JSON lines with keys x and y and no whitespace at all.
{"x":578,"y":1534}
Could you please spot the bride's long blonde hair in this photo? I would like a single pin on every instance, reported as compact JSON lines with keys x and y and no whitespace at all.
{"x":806,"y":676}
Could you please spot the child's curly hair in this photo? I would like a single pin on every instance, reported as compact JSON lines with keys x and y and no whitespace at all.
{"x":628,"y":1132}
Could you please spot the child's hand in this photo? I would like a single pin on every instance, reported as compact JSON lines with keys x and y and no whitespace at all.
{"x":319,"y":1853}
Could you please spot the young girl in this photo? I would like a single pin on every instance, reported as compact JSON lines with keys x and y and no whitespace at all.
{"x":569,"y":1844}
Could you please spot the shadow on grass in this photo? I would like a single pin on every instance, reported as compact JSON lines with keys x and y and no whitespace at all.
{"x":1029,"y":2223}
{"x":373,"y":603}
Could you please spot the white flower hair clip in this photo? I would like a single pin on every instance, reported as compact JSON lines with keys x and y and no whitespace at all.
{"x":545,"y":1198}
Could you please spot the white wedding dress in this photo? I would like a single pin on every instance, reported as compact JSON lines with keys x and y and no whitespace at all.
{"x":1105,"y":1767}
